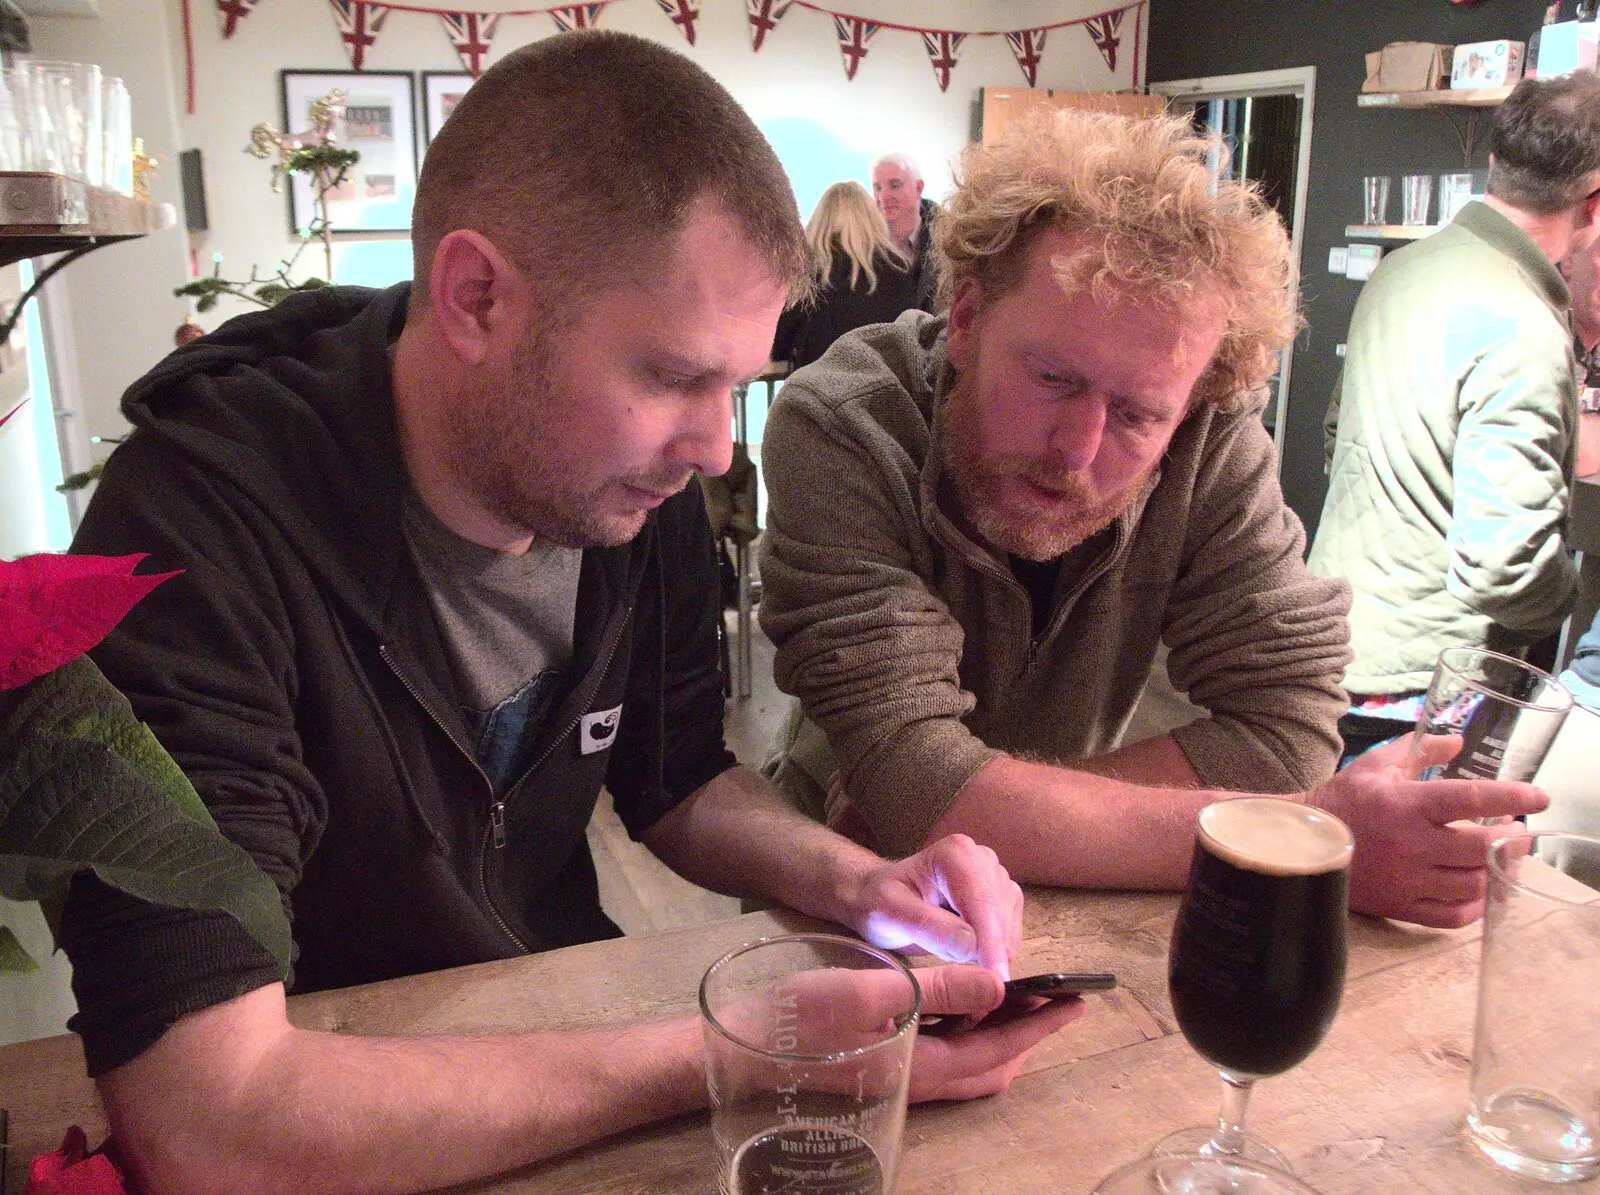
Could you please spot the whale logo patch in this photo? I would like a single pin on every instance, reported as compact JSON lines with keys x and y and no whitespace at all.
{"x":598,"y":730}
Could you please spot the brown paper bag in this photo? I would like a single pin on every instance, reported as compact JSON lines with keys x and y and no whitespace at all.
{"x":1408,"y":66}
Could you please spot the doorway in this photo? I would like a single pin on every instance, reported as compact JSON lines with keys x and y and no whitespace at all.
{"x":1262,"y":121}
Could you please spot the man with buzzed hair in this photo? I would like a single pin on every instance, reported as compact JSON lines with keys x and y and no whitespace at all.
{"x":1457,"y":419}
{"x":441,"y":579}
{"x":897,"y":189}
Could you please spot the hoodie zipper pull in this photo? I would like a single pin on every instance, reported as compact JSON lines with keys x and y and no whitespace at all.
{"x":497,"y":819}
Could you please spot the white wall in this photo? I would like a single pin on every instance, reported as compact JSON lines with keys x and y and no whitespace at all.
{"x":795,"y":88}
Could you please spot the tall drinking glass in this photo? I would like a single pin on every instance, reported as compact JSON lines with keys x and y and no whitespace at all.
{"x":1535,"y":1105}
{"x":118,"y":138}
{"x":1255,"y":973}
{"x":1505,"y":712}
{"x":72,"y":93}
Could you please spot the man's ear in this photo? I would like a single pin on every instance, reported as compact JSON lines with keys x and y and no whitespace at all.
{"x":961,"y":332}
{"x":475,"y":295}
{"x":1591,"y":202}
{"x":920,"y":185}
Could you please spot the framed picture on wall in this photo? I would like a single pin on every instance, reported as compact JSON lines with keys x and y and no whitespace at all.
{"x":379,"y":123}
{"x":441,"y":91}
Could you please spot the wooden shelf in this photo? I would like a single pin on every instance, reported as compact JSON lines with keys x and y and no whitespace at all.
{"x":49,"y":213}
{"x":1391,"y":232}
{"x":1474,"y":97}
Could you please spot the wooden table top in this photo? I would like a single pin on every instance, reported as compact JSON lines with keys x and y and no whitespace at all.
{"x":1378,"y":1108}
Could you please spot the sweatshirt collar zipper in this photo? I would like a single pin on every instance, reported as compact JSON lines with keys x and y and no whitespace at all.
{"x":494,"y":836}
{"x":496,"y":806}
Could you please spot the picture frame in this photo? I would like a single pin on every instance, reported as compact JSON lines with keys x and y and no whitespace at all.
{"x":440,"y":91}
{"x":379,"y":122}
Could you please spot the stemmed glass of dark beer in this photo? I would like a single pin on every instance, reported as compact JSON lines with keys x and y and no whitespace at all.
{"x":1255,"y":973}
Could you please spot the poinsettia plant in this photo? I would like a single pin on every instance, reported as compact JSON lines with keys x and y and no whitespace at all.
{"x":84,"y":785}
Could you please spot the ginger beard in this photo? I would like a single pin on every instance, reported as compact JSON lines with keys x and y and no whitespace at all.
{"x":1007,"y":516}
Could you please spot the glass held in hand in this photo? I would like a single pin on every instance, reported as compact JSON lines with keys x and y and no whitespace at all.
{"x":1256,"y":972}
{"x":1504,"y":712}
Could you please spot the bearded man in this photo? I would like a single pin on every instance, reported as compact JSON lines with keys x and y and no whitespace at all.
{"x":441,"y":578}
{"x":982,"y":527}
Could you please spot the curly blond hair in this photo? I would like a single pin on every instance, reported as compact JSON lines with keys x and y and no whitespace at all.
{"x":1139,"y":196}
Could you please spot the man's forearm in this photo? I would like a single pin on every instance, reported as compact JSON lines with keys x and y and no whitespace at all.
{"x":1073,"y":828}
{"x":736,"y":835}
{"x":233,"y":1098}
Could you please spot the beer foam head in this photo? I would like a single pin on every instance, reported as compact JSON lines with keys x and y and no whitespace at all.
{"x":1276,"y":837}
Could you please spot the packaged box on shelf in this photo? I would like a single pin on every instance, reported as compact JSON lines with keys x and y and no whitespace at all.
{"x":1566,"y":47}
{"x":1487,"y":64}
{"x":1408,"y":66}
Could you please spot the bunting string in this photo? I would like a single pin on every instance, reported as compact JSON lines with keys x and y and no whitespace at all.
{"x":470,"y":32}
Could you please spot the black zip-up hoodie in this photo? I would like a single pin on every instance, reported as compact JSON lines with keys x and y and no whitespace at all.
{"x":295,"y":672}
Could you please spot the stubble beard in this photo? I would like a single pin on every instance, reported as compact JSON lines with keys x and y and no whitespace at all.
{"x":983,"y":485}
{"x":514,"y":462}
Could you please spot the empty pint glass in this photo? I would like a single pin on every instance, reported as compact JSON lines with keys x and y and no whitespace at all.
{"x":1535,"y":1105}
{"x":808,"y":1042}
{"x":1506,"y":714}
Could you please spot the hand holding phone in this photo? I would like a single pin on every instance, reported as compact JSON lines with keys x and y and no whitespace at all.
{"x":1021,"y":997}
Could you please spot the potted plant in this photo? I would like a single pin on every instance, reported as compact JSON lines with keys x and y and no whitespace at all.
{"x":84,"y":785}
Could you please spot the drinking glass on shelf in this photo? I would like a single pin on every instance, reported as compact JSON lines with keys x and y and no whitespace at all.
{"x":118,"y":151}
{"x":1416,"y":193}
{"x":1375,"y":199}
{"x":1256,"y":972}
{"x":808,"y":1042}
{"x":38,"y":146}
{"x":72,"y":95}
{"x":1455,"y":192}
{"x":1506,"y":713}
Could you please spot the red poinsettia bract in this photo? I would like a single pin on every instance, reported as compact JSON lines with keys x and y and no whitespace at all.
{"x":53,"y":608}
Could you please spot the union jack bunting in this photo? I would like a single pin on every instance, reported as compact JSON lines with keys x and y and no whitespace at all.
{"x":359,"y":24}
{"x":683,"y":14}
{"x":1028,"y":46}
{"x":764,"y":17}
{"x":944,"y":48}
{"x":854,"y":34}
{"x":577,"y":16}
{"x":1104,"y":31}
{"x":469,"y":34}
{"x":231,"y":12}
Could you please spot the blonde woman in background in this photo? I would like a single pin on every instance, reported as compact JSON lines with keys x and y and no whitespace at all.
{"x":861,"y":276}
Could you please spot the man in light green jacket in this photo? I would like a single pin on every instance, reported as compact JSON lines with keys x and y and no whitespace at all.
{"x":982,"y":528}
{"x":1447,"y":494}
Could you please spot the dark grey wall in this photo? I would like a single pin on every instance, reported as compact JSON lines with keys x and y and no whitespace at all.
{"x":1196,"y":38}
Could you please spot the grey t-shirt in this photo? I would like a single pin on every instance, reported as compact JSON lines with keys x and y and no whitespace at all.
{"x":507,"y":624}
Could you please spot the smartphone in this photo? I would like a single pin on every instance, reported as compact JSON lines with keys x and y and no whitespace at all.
{"x":1058,"y":985}
{"x":1019,"y":999}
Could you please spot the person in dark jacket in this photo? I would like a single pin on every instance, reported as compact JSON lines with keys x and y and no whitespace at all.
{"x":861,"y":277}
{"x":897,"y":186}
{"x":440,"y":581}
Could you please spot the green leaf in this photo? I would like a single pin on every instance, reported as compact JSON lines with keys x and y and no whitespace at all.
{"x":206,"y":303}
{"x":78,"y":481}
{"x":86,"y":786}
{"x":272,"y":292}
{"x":12,"y":956}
